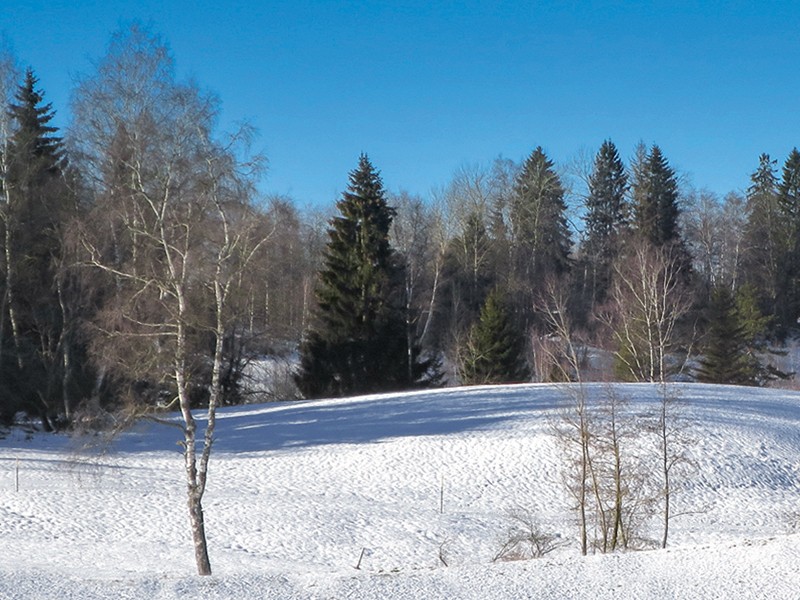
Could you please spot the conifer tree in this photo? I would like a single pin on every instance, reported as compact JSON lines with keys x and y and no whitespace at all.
{"x":788,"y":302}
{"x":358,"y":343}
{"x":765,"y":234}
{"x":36,"y":201}
{"x":495,"y":348}
{"x":606,"y":218}
{"x":655,"y":196}
{"x":725,"y":354}
{"x":539,"y":226}
{"x":654,"y":188}
{"x":540,"y":235}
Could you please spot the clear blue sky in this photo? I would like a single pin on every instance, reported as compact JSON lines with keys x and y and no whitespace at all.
{"x":425,"y":86}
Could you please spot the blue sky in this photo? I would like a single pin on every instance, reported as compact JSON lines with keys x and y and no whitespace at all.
{"x":426,"y":87}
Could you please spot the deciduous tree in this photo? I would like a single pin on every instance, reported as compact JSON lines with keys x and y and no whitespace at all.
{"x":170,"y":230}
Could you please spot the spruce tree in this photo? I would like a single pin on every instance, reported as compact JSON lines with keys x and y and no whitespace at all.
{"x":764,"y":235}
{"x":656,"y":211}
{"x":726,"y":358}
{"x":358,"y":342}
{"x":788,"y":302}
{"x":789,"y":189}
{"x":540,"y":232}
{"x":606,"y":218}
{"x":655,"y":196}
{"x":35,"y":208}
{"x":495,"y":348}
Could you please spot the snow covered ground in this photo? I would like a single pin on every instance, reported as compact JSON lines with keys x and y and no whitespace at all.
{"x":298,"y":491}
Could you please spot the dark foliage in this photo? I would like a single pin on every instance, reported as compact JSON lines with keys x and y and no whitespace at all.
{"x":495,"y":349}
{"x":726,"y":356}
{"x":358,"y":343}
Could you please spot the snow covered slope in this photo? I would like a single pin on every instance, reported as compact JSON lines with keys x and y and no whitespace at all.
{"x":300,"y":492}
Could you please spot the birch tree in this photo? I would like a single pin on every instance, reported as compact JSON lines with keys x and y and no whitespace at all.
{"x":170,"y":230}
{"x":649,"y":297}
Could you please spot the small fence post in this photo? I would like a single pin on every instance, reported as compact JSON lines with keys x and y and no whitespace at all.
{"x":441,"y":493}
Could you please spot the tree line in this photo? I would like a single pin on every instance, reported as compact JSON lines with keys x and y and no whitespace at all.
{"x":141,"y":268}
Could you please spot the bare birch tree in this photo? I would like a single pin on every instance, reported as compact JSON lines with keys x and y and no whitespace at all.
{"x":170,"y":230}
{"x":575,"y":427}
{"x":413,"y":234}
{"x":649,"y":298}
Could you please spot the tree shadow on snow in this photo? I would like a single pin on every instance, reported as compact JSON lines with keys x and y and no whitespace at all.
{"x":369,"y":419}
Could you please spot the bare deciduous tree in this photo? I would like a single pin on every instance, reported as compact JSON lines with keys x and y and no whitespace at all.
{"x":604,"y":473}
{"x":649,"y":298}
{"x":574,"y":429}
{"x":714,"y":232}
{"x":525,"y":539}
{"x":172,"y":231}
{"x":413,"y":234}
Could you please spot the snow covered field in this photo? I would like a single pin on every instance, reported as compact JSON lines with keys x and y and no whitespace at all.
{"x":297,"y":491}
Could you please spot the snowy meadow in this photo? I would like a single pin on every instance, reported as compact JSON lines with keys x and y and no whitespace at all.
{"x":409,"y":496}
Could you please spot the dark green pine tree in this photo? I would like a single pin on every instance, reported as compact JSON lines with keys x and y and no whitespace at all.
{"x":37,"y":202}
{"x":655,"y":197}
{"x":788,"y":302}
{"x":495,"y":348}
{"x":654,"y":189}
{"x":606,"y":219}
{"x":725,"y":353}
{"x":358,"y":342}
{"x":765,"y":235}
{"x":541,"y":240}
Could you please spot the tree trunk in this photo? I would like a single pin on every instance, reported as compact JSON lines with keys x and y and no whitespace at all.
{"x":665,"y":464}
{"x":10,"y":283}
{"x":199,"y":532}
{"x":195,"y":486}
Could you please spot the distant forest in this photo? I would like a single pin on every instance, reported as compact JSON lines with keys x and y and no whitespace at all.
{"x":140,"y":263}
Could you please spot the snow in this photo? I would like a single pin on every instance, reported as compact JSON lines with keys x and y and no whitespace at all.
{"x":297,"y":491}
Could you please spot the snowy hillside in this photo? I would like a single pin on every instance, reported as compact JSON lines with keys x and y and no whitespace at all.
{"x":300,"y":492}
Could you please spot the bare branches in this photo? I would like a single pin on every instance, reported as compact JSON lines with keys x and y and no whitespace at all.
{"x":525,"y":539}
{"x":648,"y":299}
{"x":174,"y":234}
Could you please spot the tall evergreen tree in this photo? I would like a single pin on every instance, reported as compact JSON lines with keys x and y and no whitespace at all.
{"x":789,"y":189}
{"x":495,"y":348}
{"x":764,"y":235}
{"x":655,"y":197}
{"x":788,"y":303}
{"x":606,"y":218}
{"x":541,"y":240}
{"x":36,"y":205}
{"x":358,"y":343}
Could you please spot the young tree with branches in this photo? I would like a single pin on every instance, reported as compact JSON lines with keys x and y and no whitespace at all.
{"x":494,"y":351}
{"x":649,"y":298}
{"x":171,"y":233}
